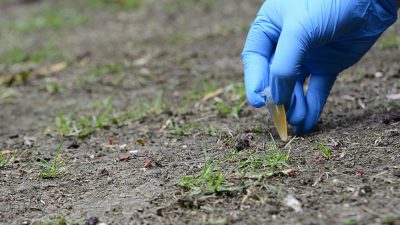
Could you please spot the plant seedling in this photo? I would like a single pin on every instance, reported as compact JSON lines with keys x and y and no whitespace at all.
{"x":211,"y":180}
{"x":51,"y":169}
{"x":324,"y":151}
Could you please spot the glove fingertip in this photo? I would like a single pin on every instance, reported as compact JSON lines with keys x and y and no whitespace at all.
{"x":255,"y":100}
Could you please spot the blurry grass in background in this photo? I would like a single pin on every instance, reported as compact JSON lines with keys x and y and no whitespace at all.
{"x":51,"y":17}
{"x":121,"y":4}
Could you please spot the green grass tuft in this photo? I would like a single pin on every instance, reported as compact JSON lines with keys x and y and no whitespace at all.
{"x":51,"y":169}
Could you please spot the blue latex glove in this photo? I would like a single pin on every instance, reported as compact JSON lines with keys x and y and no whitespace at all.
{"x":292,"y":39}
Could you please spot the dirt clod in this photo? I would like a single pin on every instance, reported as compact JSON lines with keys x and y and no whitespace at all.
{"x":92,"y":221}
{"x":392,"y":117}
{"x":73,"y":145}
{"x":243,"y":142}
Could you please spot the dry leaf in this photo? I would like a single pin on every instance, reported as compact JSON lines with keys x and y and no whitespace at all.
{"x":213,"y":94}
{"x":55,"y":68}
{"x":6,"y":152}
{"x":290,"y":172}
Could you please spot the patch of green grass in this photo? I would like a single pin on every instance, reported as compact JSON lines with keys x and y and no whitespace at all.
{"x":199,"y":89}
{"x":351,"y":222}
{"x":51,"y":169}
{"x":390,"y":219}
{"x":226,"y":110}
{"x":102,"y":115}
{"x":210,"y":131}
{"x":390,"y":42}
{"x":232,"y":106}
{"x":53,"y":87}
{"x":211,"y":180}
{"x":62,"y":220}
{"x":266,"y":162}
{"x":49,"y":18}
{"x":18,"y":55}
{"x":120,"y":4}
{"x":6,"y":159}
{"x":181,"y":130}
{"x":91,"y":75}
{"x":324,"y":150}
{"x":245,"y":27}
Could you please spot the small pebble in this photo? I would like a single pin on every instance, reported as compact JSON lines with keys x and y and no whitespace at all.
{"x":92,"y":221}
{"x":378,"y":74}
{"x":134,"y":152}
{"x":396,"y":173}
{"x":29,"y":141}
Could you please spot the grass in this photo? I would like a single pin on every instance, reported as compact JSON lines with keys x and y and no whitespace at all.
{"x":351,"y":222}
{"x":92,"y":74}
{"x":211,"y":180}
{"x":119,"y":4}
{"x":234,"y":103}
{"x":210,"y":131}
{"x":324,"y":150}
{"x":6,"y":159}
{"x":62,"y":220}
{"x":226,"y":110}
{"x":18,"y":55}
{"x":102,"y":115}
{"x":181,"y":130}
{"x":200,"y":88}
{"x":53,"y":87}
{"x":51,"y":169}
{"x":259,"y":163}
{"x":390,"y":42}
{"x":50,"y":17}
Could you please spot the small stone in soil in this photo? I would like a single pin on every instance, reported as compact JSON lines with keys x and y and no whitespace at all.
{"x":134,"y":152}
{"x":92,"y":221}
{"x":242,"y":143}
{"x":29,"y":141}
{"x":149,"y":164}
{"x":13,"y":136}
{"x":73,"y":145}
{"x":392,"y":117}
{"x":124,"y":157}
{"x":396,"y":173}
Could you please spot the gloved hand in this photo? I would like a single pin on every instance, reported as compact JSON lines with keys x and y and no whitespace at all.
{"x":292,"y":39}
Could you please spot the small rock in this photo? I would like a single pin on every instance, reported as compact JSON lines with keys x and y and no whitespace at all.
{"x":73,"y":145}
{"x":124,"y":157}
{"x":122,"y":147}
{"x":242,"y":143}
{"x":365,"y":191}
{"x":134,"y":152}
{"x":13,"y":136}
{"x":92,"y":221}
{"x":29,"y":141}
{"x":293,"y":203}
{"x":149,"y":164}
{"x":396,"y":173}
{"x":378,"y":74}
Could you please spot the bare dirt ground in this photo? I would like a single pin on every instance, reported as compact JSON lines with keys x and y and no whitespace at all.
{"x":146,"y":100}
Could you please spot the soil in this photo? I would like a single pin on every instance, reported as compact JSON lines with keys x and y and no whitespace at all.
{"x":130,"y":173}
